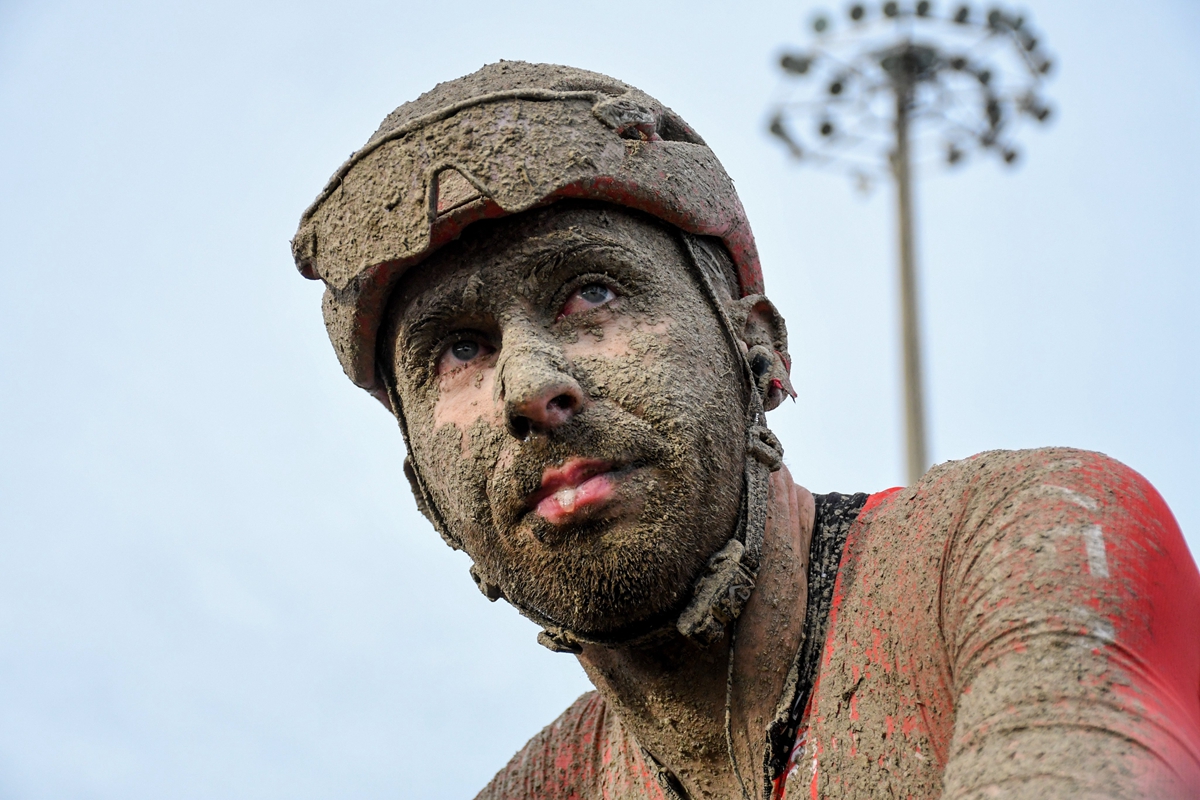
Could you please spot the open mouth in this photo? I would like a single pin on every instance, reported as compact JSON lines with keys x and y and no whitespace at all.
{"x":577,"y":486}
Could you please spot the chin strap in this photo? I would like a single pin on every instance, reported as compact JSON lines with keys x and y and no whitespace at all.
{"x":722,"y":590}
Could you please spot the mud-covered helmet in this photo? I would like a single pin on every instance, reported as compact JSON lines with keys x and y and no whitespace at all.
{"x":510,"y":137}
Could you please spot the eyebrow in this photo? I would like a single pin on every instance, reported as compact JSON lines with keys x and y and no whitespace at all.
{"x":554,"y":257}
{"x":442,"y":303}
{"x":428,"y":313}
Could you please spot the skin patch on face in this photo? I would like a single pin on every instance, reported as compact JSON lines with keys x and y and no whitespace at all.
{"x":575,"y":409}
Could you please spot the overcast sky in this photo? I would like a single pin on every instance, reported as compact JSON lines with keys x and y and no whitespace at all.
{"x":214,"y":583}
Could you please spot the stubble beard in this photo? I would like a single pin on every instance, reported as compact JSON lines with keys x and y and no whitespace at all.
{"x":626,"y":568}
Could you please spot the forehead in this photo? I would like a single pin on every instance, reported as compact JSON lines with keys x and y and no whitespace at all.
{"x":517,"y":253}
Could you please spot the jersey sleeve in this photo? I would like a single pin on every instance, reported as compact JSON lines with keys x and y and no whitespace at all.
{"x":1070,"y":612}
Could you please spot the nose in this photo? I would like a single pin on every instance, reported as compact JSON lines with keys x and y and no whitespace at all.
{"x":543,"y":410}
{"x":538,"y":394}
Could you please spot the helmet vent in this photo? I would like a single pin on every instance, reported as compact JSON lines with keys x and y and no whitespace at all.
{"x":630,"y":119}
{"x":454,"y":190}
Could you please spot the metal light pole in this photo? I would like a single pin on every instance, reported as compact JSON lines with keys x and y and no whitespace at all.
{"x":910,"y":332}
{"x":880,"y":95}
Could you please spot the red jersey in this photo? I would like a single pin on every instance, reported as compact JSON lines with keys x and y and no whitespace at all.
{"x":1018,"y":624}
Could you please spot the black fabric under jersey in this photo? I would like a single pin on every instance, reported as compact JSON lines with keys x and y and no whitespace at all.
{"x":835,"y":513}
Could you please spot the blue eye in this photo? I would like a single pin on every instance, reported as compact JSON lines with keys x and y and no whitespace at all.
{"x":464,"y":350}
{"x":595,"y":293}
{"x":466,"y":353}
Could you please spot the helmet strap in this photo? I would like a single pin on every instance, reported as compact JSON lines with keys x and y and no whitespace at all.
{"x":722,"y":590}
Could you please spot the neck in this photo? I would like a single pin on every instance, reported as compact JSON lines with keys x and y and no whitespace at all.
{"x":672,"y":696}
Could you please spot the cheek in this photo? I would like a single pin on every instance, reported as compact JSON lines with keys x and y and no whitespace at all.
{"x":618,"y":340}
{"x":457,"y":465}
{"x":455,"y":438}
{"x":671,"y":374}
{"x":692,"y":392}
{"x":463,"y":400}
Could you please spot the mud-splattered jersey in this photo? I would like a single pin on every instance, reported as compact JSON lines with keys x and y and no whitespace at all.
{"x":1018,"y":624}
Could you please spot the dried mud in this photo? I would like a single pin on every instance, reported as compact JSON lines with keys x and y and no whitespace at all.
{"x":663,"y":391}
{"x":663,"y":394}
{"x":503,"y":140}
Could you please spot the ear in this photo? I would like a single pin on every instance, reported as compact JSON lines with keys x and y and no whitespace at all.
{"x":764,"y":343}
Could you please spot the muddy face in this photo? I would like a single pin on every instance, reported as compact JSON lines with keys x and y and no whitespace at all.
{"x":575,"y":410}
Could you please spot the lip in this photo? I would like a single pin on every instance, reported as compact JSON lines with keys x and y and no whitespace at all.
{"x":574,"y":487}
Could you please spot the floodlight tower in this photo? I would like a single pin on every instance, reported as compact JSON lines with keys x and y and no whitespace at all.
{"x":893,"y":87}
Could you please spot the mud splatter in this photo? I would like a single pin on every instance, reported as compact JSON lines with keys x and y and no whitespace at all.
{"x":662,"y":401}
{"x":662,"y":397}
{"x":994,"y":635}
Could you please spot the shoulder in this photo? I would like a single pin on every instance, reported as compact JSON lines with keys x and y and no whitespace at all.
{"x":1000,"y":470}
{"x":532,"y":771}
{"x":1074,"y":513}
{"x":1003,"y":471}
{"x":586,"y":752}
{"x":1068,"y":565}
{"x":1061,"y":564}
{"x":959,"y":496}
